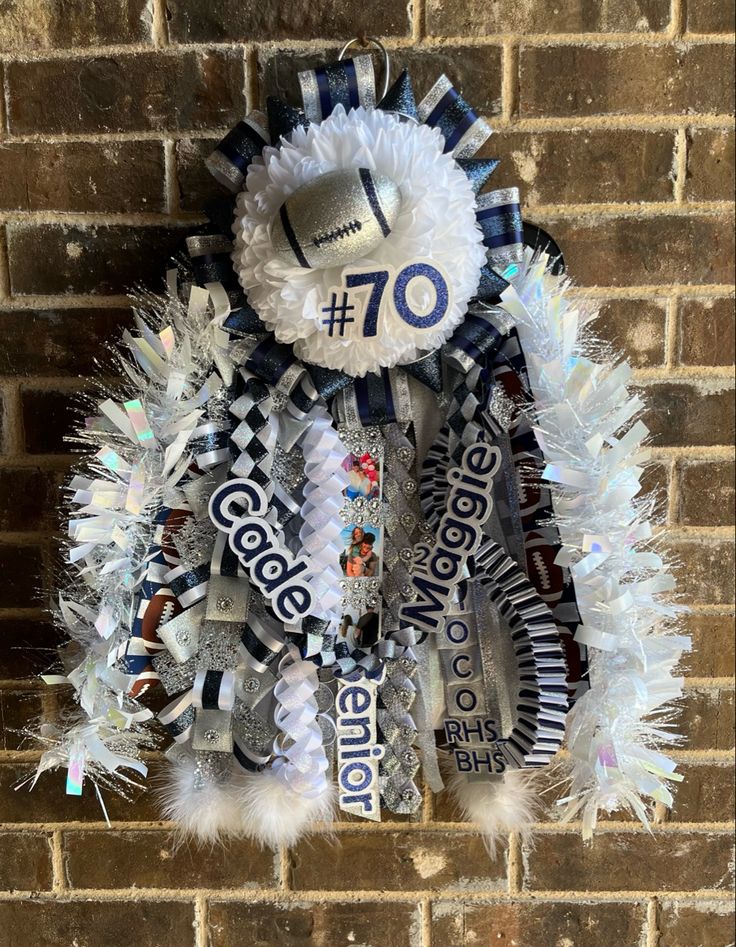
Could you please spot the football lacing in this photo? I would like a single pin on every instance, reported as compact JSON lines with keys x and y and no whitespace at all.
{"x":353,"y":227}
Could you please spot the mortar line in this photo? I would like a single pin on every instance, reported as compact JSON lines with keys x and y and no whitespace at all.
{"x":681,"y":162}
{"x":284,"y":868}
{"x":559,"y":123}
{"x":652,"y":924}
{"x":673,"y":495}
{"x":201,"y":911}
{"x":515,"y":873}
{"x":4,"y":267}
{"x":672,"y":317}
{"x":676,"y":18}
{"x":425,"y":906}
{"x":418,"y":20}
{"x":252,"y":88}
{"x":365,"y":895}
{"x":604,"y":210}
{"x":159,"y":25}
{"x":172,"y":194}
{"x":98,"y":219}
{"x":57,"y":862}
{"x":602,"y":40}
{"x":510,"y":80}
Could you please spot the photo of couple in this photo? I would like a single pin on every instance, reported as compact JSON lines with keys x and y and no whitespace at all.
{"x":364,"y":477}
{"x":360,"y":558}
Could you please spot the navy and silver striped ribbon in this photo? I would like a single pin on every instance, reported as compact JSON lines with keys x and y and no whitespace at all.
{"x":350,"y":83}
{"x":229,"y":162}
{"x":261,"y":642}
{"x":444,"y":108}
{"x":499,"y":216}
{"x":542,"y":704}
{"x":214,"y":690}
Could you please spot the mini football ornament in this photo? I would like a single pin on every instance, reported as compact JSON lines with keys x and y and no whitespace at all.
{"x":336,"y":218}
{"x":371,"y":502}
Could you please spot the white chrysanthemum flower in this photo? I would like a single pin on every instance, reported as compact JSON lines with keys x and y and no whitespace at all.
{"x":436,"y":223}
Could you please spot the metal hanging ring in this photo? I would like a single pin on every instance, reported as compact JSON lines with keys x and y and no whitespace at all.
{"x":371,"y":41}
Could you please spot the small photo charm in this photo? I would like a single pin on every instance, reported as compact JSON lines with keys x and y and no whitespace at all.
{"x":361,"y":631}
{"x":364,"y":477}
{"x":361,"y":555}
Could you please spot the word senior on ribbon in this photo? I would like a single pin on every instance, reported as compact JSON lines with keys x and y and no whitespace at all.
{"x":268,"y":563}
{"x":440,"y":566}
{"x":357,"y":751}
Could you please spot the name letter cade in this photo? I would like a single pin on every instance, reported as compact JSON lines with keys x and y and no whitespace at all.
{"x":269,"y":565}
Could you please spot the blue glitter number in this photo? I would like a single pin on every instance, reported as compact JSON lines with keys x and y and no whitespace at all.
{"x":378,"y":280}
{"x":402,"y":304}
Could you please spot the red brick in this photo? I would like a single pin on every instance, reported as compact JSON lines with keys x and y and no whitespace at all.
{"x":97,"y":923}
{"x":118,"y":176}
{"x":706,"y":794}
{"x":28,"y":498}
{"x":47,"y":801}
{"x":577,"y":166}
{"x":608,"y":80}
{"x":310,"y":924}
{"x":27,"y":648}
{"x":477,"y":18}
{"x":25,"y":862}
{"x":710,"y":164}
{"x":222,"y":21}
{"x":395,"y":861}
{"x":94,"y":260}
{"x":196,"y":184}
{"x":704,"y":571}
{"x":458,"y":924}
{"x":706,"y":719}
{"x":706,"y":332}
{"x":46,"y":24}
{"x":683,"y":415}
{"x":706,"y":493}
{"x":705,"y":924}
{"x":474,"y":70}
{"x":49,"y":419}
{"x":710,"y":16}
{"x":712,"y":652}
{"x":635,"y":328}
{"x":630,"y":251}
{"x":60,"y":341}
{"x":126,"y":92}
{"x":630,"y":861}
{"x":22,"y":570}
{"x":112,"y":859}
{"x":19,"y":711}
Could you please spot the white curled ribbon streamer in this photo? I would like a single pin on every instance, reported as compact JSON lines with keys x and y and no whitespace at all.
{"x":323,"y":498}
{"x":300,"y":758}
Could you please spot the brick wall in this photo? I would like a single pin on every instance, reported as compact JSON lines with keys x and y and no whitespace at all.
{"x":614,"y":119}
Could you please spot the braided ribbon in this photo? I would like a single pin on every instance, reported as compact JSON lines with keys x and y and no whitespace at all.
{"x":323,"y":499}
{"x":300,"y":758}
{"x":397,"y":731}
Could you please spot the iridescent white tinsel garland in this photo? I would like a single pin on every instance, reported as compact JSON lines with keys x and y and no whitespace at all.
{"x":588,"y":426}
{"x":141,"y":440}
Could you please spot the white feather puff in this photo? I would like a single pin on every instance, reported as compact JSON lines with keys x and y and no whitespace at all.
{"x":273,"y":815}
{"x":209,"y":813}
{"x":499,"y":807}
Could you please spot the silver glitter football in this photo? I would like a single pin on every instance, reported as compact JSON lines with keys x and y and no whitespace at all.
{"x":336,"y":218}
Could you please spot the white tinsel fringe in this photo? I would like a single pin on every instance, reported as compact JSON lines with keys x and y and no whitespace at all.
{"x":499,"y":807}
{"x":588,"y":426}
